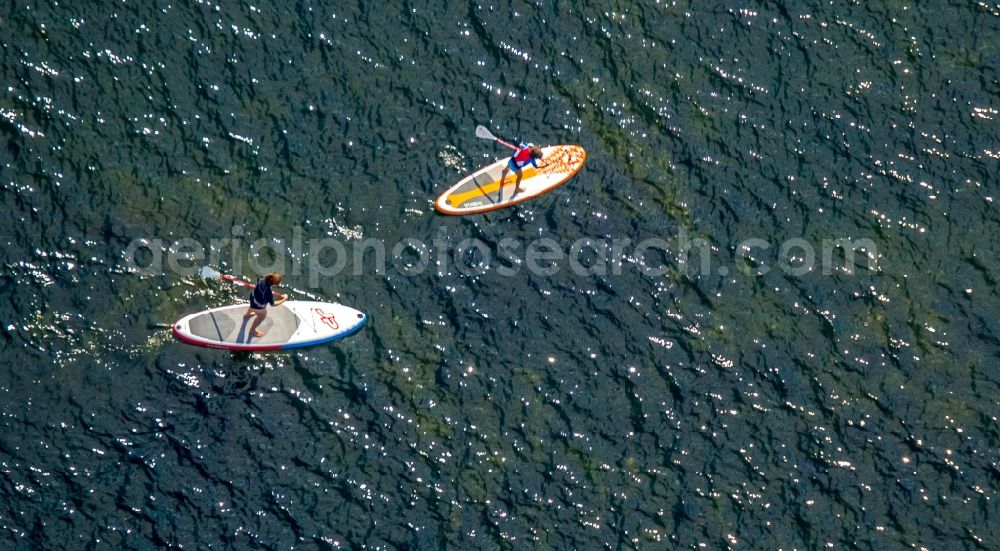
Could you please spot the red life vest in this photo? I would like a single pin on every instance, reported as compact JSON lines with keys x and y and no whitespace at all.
{"x":523,"y":157}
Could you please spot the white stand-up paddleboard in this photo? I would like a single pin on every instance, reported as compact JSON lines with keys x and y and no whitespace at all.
{"x":293,"y":324}
{"x":480,"y":192}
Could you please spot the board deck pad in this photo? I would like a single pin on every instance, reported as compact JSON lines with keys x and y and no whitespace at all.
{"x":290,"y":325}
{"x":229,"y":325}
{"x":481,"y":191}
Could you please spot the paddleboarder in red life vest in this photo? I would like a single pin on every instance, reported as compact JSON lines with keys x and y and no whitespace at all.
{"x":525,"y":155}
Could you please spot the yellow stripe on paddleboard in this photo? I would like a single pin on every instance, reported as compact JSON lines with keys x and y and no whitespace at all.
{"x":458,"y":199}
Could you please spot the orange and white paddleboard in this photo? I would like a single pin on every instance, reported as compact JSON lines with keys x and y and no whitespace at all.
{"x":481,"y":191}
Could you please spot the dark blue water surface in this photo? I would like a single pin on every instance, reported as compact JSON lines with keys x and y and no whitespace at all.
{"x":803,"y":353}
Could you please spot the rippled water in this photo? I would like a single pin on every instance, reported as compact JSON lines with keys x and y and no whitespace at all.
{"x":741,"y":406}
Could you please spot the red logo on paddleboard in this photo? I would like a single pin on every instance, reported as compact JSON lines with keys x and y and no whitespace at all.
{"x":328,"y":319}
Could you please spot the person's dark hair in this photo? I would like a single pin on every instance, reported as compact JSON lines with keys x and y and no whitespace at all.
{"x":272,"y":279}
{"x":536,"y":152}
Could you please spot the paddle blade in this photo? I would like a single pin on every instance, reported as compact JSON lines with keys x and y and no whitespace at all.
{"x":482,"y":132}
{"x":209,"y":273}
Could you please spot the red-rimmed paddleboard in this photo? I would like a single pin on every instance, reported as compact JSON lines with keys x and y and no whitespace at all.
{"x":293,"y":324}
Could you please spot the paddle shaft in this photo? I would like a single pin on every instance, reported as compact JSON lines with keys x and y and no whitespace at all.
{"x":510,"y":145}
{"x":238,"y":281}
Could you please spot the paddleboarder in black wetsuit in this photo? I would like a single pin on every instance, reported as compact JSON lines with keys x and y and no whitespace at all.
{"x":262,"y":296}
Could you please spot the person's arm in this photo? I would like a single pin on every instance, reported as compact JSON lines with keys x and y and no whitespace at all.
{"x":271,"y":299}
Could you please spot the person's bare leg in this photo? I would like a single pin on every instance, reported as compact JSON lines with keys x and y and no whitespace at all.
{"x":249,"y":313}
{"x":517,"y":186}
{"x":256,"y":323}
{"x":503,"y":176}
